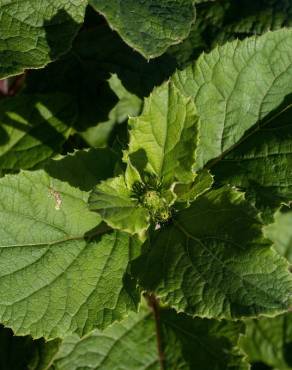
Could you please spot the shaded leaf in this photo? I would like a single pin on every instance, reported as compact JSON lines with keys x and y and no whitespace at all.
{"x":34,"y":32}
{"x":128,"y":105}
{"x":261,"y":164}
{"x":84,"y":168}
{"x":168,"y":22}
{"x":85,"y":71}
{"x":33,"y":128}
{"x":132,"y":344}
{"x":212,"y":261}
{"x":269,"y":340}
{"x":226,"y":20}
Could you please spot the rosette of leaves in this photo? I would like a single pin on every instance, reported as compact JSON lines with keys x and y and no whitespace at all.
{"x":160,"y":156}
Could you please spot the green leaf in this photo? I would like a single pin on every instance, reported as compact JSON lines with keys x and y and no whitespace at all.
{"x":127,"y":345}
{"x":261,"y":164}
{"x":269,"y":340}
{"x":200,"y":343}
{"x":33,"y":128}
{"x":280,"y":232}
{"x":113,"y":200}
{"x":34,"y":32}
{"x":58,"y":274}
{"x":212,"y":261}
{"x":162,"y":139}
{"x":132,"y":344}
{"x":235,"y":87}
{"x":168,"y":22}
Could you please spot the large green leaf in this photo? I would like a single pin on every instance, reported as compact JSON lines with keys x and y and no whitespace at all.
{"x":34,"y":32}
{"x":58,"y":275}
{"x":212,"y":261}
{"x":33,"y":127}
{"x":269,"y":340}
{"x":261,"y":164}
{"x":186,"y":344}
{"x":168,"y":22}
{"x":163,"y":138}
{"x":235,"y":87}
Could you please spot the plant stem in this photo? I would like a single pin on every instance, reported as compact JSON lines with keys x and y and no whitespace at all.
{"x":154,"y":305}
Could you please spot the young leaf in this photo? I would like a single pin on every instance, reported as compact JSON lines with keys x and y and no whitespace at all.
{"x":268,"y":340}
{"x":33,"y":127}
{"x":212,"y":261}
{"x":168,"y":22}
{"x":112,"y":199}
{"x":132,"y":344}
{"x":58,"y":275}
{"x":34,"y":32}
{"x":235,"y":87}
{"x":163,"y":138}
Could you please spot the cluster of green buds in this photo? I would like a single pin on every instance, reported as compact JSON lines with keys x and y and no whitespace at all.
{"x":150,"y":195}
